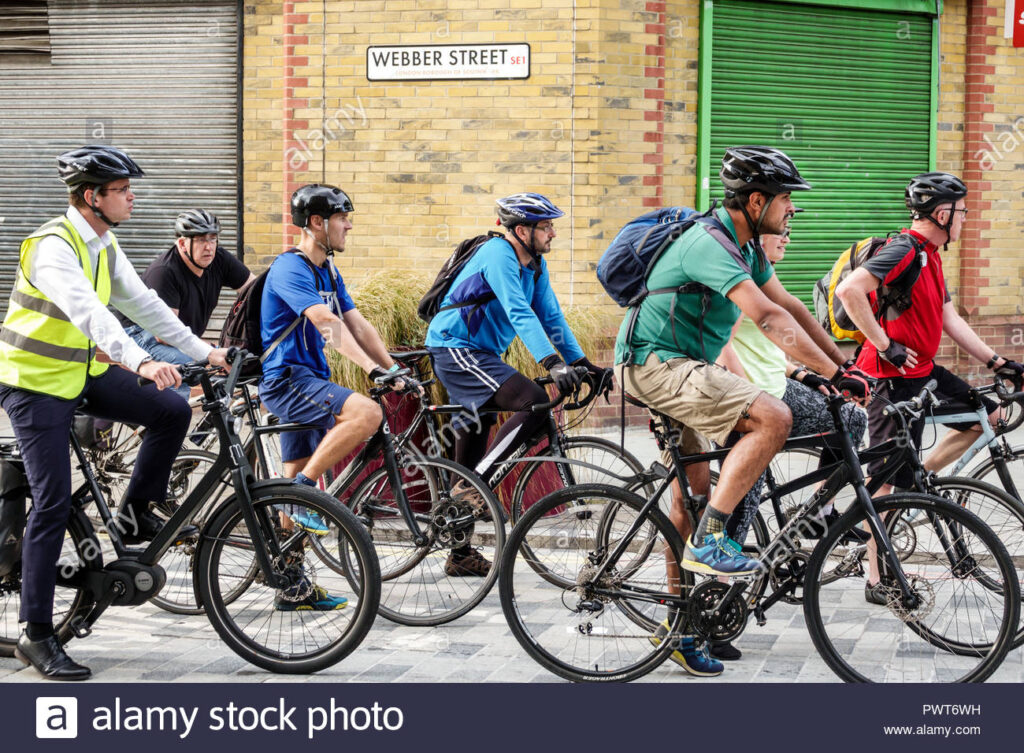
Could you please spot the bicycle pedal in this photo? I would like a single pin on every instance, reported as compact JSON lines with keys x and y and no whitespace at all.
{"x":81,"y":631}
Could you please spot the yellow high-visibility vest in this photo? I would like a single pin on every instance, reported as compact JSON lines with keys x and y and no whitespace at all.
{"x":40,"y":349}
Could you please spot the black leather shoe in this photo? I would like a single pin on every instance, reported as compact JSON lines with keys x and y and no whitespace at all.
{"x":141,"y":528}
{"x":49,"y":658}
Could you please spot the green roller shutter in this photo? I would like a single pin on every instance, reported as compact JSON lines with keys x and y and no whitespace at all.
{"x":846,"y":92}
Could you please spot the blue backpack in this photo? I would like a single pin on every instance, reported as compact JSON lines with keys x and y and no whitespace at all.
{"x":633,"y":252}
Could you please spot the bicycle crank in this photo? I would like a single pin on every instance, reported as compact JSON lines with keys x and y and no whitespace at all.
{"x":717,"y":611}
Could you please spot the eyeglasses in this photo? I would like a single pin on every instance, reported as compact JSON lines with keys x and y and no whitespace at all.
{"x":123,"y":190}
{"x":547,"y":227}
{"x":210,"y":239}
{"x":962,"y":210}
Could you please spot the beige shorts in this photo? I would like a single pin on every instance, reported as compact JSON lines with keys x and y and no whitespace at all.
{"x":702,"y":397}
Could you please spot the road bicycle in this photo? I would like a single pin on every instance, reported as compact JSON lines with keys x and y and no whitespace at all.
{"x":559,"y":458}
{"x":605,"y":576}
{"x":256,"y":579}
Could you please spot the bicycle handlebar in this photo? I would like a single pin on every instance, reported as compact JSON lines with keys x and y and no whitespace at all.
{"x":1005,"y":396}
{"x":580,"y":402}
{"x":914,"y":405}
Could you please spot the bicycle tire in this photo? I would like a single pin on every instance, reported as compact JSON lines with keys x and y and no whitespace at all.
{"x":593,"y":450}
{"x":838,"y":615}
{"x":554,"y":622}
{"x":319,"y":639}
{"x":70,"y":604}
{"x":417,"y":587}
{"x":1000,"y":511}
{"x":986,"y":471}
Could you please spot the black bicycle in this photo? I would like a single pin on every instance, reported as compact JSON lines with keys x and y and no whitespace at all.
{"x":264,"y":587}
{"x":605,"y":575}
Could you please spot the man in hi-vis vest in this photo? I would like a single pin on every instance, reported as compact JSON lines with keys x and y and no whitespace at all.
{"x":70,"y":270}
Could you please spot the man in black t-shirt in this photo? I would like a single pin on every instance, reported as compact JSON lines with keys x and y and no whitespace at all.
{"x":188,"y":277}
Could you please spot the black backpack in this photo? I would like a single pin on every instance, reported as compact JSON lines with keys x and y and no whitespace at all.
{"x":430,"y":303}
{"x":242,"y":324}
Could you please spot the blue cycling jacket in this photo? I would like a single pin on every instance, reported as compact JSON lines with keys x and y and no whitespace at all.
{"x":521,"y":307}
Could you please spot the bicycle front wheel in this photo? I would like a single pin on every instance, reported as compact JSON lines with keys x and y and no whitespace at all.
{"x":965,"y":599}
{"x":320,"y":616}
{"x":578,"y":614}
{"x":451,"y":570}
{"x":607,"y":459}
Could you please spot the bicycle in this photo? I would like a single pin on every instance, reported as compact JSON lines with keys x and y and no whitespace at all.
{"x":589,"y":610}
{"x":264,"y":619}
{"x":575,"y":458}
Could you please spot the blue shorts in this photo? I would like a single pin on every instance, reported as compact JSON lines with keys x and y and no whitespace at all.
{"x":471,"y":378}
{"x":299,"y":396}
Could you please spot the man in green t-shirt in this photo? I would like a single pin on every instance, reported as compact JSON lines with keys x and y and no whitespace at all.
{"x":669,"y":361}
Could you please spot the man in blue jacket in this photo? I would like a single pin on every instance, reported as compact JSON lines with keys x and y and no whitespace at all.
{"x":503,"y":291}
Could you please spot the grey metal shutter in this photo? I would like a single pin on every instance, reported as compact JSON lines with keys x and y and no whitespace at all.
{"x":157,"y":79}
{"x":846,"y":93}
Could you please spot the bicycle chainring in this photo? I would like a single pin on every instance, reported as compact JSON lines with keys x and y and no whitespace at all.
{"x":709,"y":619}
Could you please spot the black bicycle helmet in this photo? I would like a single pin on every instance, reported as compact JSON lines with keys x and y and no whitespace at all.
{"x":759,"y":168}
{"x":196,"y":222}
{"x":929,"y":190}
{"x":320,"y":200}
{"x":526,"y":209}
{"x":95,"y":165}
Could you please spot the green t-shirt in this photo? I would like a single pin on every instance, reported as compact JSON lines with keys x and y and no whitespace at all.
{"x":762,"y":359}
{"x":695,"y":257}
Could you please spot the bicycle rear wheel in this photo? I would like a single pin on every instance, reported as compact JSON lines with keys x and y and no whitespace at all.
{"x":575,"y":624}
{"x":81,"y":549}
{"x":320,"y":617}
{"x":968,"y":600}
{"x":426,"y":585}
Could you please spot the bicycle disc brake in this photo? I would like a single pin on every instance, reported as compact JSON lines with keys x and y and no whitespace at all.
{"x":711,"y":620}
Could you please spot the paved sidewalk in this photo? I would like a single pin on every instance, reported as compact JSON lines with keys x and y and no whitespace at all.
{"x":144,"y":644}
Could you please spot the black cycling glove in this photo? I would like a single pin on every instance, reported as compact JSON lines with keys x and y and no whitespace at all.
{"x":565,"y":378}
{"x":896,"y":354}
{"x":1010,"y":370}
{"x":814,"y":381}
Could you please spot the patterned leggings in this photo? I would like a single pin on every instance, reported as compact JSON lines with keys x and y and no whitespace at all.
{"x":810,"y":416}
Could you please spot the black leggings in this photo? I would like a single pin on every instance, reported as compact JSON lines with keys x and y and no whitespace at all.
{"x":517,"y":395}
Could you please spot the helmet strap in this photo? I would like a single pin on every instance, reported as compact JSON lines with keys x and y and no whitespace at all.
{"x":755,"y":228}
{"x":96,"y":210}
{"x":943,"y":227}
{"x":191,"y":251}
{"x":527,"y":248}
{"x":323,"y":246}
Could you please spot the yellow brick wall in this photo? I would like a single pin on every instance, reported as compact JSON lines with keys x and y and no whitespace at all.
{"x":424,"y":161}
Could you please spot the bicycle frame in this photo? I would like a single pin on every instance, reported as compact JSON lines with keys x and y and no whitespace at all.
{"x":988,"y":439}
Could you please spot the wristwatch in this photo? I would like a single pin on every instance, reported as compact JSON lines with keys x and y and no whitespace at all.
{"x":992,"y":361}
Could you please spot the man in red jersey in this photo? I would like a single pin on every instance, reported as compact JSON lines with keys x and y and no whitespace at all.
{"x":902,"y":340}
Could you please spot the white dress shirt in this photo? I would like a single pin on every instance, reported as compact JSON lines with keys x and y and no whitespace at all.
{"x":57,"y":273}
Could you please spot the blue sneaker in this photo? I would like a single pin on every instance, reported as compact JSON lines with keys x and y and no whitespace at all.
{"x":317,"y":600}
{"x":695,"y":661}
{"x":718,"y":555}
{"x":310,"y":522}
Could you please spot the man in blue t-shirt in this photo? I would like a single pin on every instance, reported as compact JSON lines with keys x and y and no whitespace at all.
{"x":304,"y":307}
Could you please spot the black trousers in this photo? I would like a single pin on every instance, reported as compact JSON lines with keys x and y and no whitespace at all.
{"x":42,"y":425}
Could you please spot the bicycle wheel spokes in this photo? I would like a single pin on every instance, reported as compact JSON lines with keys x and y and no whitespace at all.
{"x":320,"y":616}
{"x":445,"y":577}
{"x":1001,"y":512}
{"x":964,"y":609}
{"x":576,"y":623}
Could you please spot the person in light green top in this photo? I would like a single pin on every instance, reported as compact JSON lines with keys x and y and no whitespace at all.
{"x":753,"y":356}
